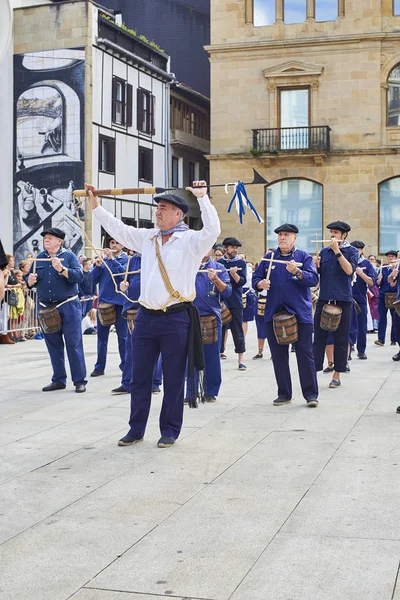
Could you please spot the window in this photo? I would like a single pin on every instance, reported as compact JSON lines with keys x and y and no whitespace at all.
{"x":145,"y":111}
{"x":389,"y":215}
{"x":294,"y":108}
{"x":297,"y":201}
{"x":192,"y":172}
{"x":189,"y":119}
{"x":146,"y":164}
{"x":175,"y":172}
{"x":121,"y":102}
{"x":146,"y":224}
{"x":396,"y":7}
{"x":264,"y":12}
{"x":106,"y":154}
{"x":393,"y":116}
{"x":294,"y":11}
{"x":326,"y":10}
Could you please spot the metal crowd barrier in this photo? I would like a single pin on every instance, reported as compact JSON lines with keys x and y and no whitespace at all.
{"x":27,"y":322}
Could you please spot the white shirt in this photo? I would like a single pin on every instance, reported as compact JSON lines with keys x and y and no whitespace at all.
{"x":181,"y":254}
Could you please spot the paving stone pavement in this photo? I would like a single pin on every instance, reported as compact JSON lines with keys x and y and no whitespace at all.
{"x":254,"y":502}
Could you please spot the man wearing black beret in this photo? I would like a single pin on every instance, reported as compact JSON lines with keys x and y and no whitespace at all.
{"x":288,"y":288}
{"x":365,"y":277}
{"x":336,"y":265}
{"x":57,"y":279}
{"x":237,"y":270}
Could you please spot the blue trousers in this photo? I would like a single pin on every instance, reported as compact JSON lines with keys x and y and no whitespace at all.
{"x":102,"y":340}
{"x":383,"y":320}
{"x":396,"y":326}
{"x":261,"y":328}
{"x":305,"y":362}
{"x":340,"y":337}
{"x":71,"y":334}
{"x":353,"y":334}
{"x":358,"y":327}
{"x":86,"y":306}
{"x":152,"y":334}
{"x":236,"y":327}
{"x":127,"y":372}
{"x":212,"y":371}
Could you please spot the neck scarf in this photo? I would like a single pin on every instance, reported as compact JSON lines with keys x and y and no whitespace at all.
{"x":236,"y":258}
{"x":181,"y":226}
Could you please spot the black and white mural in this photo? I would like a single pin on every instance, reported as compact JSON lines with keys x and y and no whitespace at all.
{"x":49,"y":146}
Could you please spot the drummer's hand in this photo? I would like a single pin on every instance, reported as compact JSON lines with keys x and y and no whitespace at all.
{"x":317,"y":261}
{"x":108,"y":253}
{"x":359,"y":271}
{"x":57,"y":264}
{"x":199,"y":188}
{"x":212,"y":275}
{"x":32,"y":279}
{"x":379,"y":280}
{"x":98,"y":261}
{"x":335,"y":245}
{"x":264,"y":284}
{"x":233,"y":270}
{"x":123,"y":286}
{"x":291,"y":267}
{"x":92,"y":198}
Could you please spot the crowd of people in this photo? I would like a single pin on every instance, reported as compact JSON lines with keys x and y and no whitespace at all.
{"x":175,"y":294}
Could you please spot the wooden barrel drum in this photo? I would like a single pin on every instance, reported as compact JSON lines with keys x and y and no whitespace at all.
{"x":285,"y":328}
{"x":330,"y":317}
{"x":107,"y":314}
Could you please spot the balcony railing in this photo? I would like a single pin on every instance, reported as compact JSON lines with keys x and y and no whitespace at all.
{"x":292,"y":139}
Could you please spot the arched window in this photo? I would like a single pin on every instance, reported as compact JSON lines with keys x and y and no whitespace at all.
{"x":389,"y":215}
{"x":393,"y":107}
{"x":297,"y":201}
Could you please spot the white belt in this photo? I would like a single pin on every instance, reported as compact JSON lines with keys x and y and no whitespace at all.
{"x":61,"y":303}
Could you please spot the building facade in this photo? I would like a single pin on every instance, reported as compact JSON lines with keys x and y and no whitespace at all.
{"x":307,"y":92}
{"x":91,"y":103}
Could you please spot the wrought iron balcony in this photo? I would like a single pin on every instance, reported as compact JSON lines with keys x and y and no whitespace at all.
{"x":292,"y":139}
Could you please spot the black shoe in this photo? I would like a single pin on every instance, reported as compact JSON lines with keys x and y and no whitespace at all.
{"x":128,"y":440}
{"x":156,"y":390}
{"x":281,"y":401}
{"x":80,"y":388}
{"x":211,"y":399}
{"x":362,"y":356}
{"x":396,"y":357}
{"x":347,"y":368}
{"x":329,"y":368}
{"x":96,"y":373}
{"x":119,"y":390}
{"x":350,"y":358}
{"x":165,"y":441}
{"x":258,"y":355}
{"x":222,"y":356}
{"x":398,"y":410}
{"x":312,"y":402}
{"x":393,"y":343}
{"x":54,"y":385}
{"x":293,"y":349}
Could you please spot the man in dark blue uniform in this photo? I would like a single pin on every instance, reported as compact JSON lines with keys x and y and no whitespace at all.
{"x":209,"y":290}
{"x":365,"y":276}
{"x":116,"y":261}
{"x":237,"y":270}
{"x":57,"y":280}
{"x":289,"y":290}
{"x":385,"y":288}
{"x":87,"y":289}
{"x":336,"y":265}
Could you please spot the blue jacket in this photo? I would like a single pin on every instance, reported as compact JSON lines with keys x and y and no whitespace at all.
{"x":235,"y":299}
{"x":287,"y":292}
{"x":384,"y":286}
{"x":53,"y":287}
{"x":133,"y":291}
{"x":334,"y":283}
{"x":101,"y":276}
{"x":359,"y":286}
{"x":87,"y":288}
{"x":208,"y":298}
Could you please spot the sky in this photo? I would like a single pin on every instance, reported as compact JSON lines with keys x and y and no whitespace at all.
{"x":295,"y":11}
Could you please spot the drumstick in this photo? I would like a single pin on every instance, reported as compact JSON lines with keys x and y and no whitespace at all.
{"x":270,"y":266}
{"x":282,"y":262}
{"x":46,"y":259}
{"x":127,"y":269}
{"x":323,"y":241}
{"x":207,"y":271}
{"x":34,"y":263}
{"x":125,"y":274}
{"x":102,"y":241}
{"x":237,"y":268}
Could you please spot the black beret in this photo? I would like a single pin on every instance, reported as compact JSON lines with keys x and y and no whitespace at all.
{"x":231,"y":241}
{"x":287,"y":227}
{"x":173,"y":199}
{"x":357,"y":244}
{"x":391,"y":252}
{"x":340,"y":226}
{"x":54,"y":231}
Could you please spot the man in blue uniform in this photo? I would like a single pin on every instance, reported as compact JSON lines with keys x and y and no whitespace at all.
{"x":336,"y":265}
{"x":237,"y":270}
{"x":209,"y":290}
{"x":116,"y":261}
{"x":167,"y":321}
{"x":289,"y":290}
{"x":132,"y":290}
{"x":57,"y":280}
{"x":87,"y":289}
{"x":365,"y":277}
{"x":385,"y":288}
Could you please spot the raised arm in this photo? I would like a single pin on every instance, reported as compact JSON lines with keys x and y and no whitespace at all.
{"x":206,"y":237}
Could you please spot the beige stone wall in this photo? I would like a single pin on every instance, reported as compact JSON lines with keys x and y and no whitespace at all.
{"x":346,"y":64}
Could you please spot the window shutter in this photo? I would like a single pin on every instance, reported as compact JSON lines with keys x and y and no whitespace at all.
{"x":114,"y":101}
{"x":100,"y":166}
{"x":153,"y":114}
{"x":111,"y":156}
{"x":139,"y":109}
{"x":129,"y":103}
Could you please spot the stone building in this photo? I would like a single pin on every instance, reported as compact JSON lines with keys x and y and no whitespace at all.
{"x":308,"y":93}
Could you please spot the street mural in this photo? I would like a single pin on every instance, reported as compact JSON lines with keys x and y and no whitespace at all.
{"x":49,"y":146}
